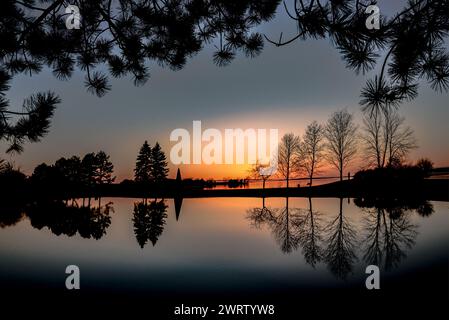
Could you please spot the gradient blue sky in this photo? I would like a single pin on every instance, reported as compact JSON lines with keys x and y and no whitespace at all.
{"x":283,"y":88}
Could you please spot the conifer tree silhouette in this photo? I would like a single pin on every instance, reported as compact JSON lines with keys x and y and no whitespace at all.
{"x":142,"y":172}
{"x":159,"y":170}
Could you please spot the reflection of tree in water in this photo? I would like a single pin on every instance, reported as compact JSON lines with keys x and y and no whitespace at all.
{"x":260,"y":216}
{"x":310,"y":238}
{"x":425,"y":209}
{"x":60,"y":218}
{"x":10,"y":215}
{"x":149,"y":220}
{"x":341,"y":242}
{"x":292,"y":228}
{"x":281,"y":221}
{"x":285,"y":228}
{"x":389,"y":234}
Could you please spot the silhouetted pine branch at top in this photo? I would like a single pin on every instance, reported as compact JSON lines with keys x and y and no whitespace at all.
{"x":125,"y":35}
{"x":413,"y":41}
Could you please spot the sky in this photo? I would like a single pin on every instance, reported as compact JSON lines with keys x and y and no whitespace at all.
{"x":284,"y":88}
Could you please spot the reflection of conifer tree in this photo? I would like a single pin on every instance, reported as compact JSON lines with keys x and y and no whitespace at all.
{"x":310,"y":235}
{"x":158,"y":215}
{"x":140,"y":221}
{"x":149,"y":221}
{"x":178,"y":204}
{"x":340,"y":252}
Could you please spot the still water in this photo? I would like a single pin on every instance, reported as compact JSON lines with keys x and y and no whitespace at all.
{"x":220,"y":245}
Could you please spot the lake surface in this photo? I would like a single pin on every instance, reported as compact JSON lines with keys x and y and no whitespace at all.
{"x":223,"y":245}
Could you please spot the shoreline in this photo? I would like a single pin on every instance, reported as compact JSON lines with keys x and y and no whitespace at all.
{"x":431,"y":189}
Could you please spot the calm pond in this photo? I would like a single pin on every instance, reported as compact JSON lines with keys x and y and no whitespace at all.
{"x":221,"y":245}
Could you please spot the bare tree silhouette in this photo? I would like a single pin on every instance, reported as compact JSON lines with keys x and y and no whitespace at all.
{"x":259,"y":171}
{"x":340,"y":133}
{"x":387,"y":141}
{"x":312,"y":149}
{"x":289,"y":156}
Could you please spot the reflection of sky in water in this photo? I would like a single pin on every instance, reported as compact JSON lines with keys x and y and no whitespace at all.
{"x":213,"y":245}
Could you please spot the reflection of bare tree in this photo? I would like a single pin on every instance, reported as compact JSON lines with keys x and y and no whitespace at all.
{"x":373,"y":240}
{"x":282,"y":222}
{"x":292,"y":228}
{"x":310,"y":235}
{"x":260,"y":216}
{"x":149,"y":221}
{"x":390,"y":234}
{"x":341,"y":240}
{"x":285,"y":228}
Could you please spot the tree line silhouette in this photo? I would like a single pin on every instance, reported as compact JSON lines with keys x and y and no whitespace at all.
{"x":336,"y":142}
{"x":385,"y":141}
{"x":86,"y":176}
{"x":74,"y":176}
{"x":92,"y":169}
